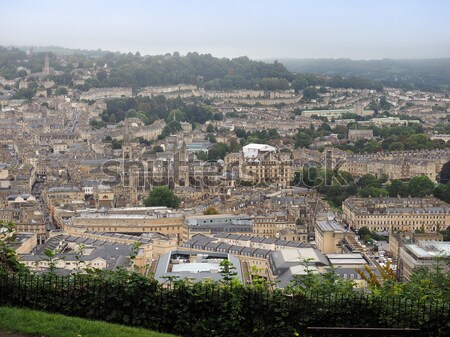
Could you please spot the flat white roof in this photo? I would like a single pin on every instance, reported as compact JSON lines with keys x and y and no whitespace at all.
{"x":196,"y":267}
{"x":345,"y":256}
{"x":258,"y":146}
{"x":299,"y":254}
{"x":348,"y":261}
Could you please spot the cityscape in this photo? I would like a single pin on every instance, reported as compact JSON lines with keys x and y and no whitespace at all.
{"x":303,"y":195}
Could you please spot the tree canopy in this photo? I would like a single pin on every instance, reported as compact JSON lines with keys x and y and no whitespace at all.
{"x":420,"y":186}
{"x":162,"y":196}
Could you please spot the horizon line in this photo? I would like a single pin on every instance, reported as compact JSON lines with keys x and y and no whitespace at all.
{"x":266,"y":59}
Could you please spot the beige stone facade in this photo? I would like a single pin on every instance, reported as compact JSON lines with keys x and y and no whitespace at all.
{"x":266,"y":168}
{"x":63,"y":195}
{"x":404,"y":214}
{"x":131,"y":220}
{"x":399,"y":239}
{"x":268,"y":226}
{"x":397,"y":165}
{"x":360,"y":134}
{"x":328,"y":236}
{"x":101,"y":93}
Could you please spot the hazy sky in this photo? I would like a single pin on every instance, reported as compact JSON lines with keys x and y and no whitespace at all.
{"x":257,"y":28}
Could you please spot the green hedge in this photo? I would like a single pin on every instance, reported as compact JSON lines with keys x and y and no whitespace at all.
{"x":212,"y":309}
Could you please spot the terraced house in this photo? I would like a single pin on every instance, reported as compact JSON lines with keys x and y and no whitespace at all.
{"x":399,"y":214}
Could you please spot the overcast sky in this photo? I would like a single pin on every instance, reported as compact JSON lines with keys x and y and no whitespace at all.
{"x":357,"y":29}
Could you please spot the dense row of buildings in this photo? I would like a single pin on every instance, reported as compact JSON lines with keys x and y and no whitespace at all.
{"x":397,"y":214}
{"x":77,"y":187}
{"x":402,"y":165}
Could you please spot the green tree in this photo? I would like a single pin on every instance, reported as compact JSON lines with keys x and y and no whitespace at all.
{"x":446,"y":234}
{"x":240,"y":133}
{"x":420,"y":186}
{"x":302,"y":139}
{"x":234,"y":145}
{"x":8,"y":257}
{"x":387,"y":276}
{"x":397,"y":187}
{"x":210,"y":128}
{"x":79,"y":257}
{"x":396,"y":146}
{"x":211,"y":138}
{"x":310,"y":93}
{"x":112,"y":119}
{"x":218,"y":116}
{"x":61,"y":91}
{"x":444,"y":175}
{"x":102,"y":75}
{"x":371,"y":146}
{"x":218,"y":151}
{"x":442,"y":192}
{"x":328,"y":283}
{"x":372,"y":191}
{"x":299,"y":84}
{"x":162,"y":196}
{"x":210,"y":211}
{"x":24,"y":94}
{"x":52,"y":259}
{"x":116,"y":144}
{"x":131,"y":113}
{"x":176,"y":115}
{"x":363,"y":231}
{"x":368,"y":180}
{"x":95,"y":124}
{"x":257,"y":279}
{"x":384,"y":104}
{"x":202,"y":155}
{"x":299,"y":222}
{"x":158,"y":148}
{"x":228,"y":271}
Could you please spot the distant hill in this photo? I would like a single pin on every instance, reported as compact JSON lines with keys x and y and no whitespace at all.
{"x":426,"y":74}
{"x":61,"y":51}
{"x":137,"y":71}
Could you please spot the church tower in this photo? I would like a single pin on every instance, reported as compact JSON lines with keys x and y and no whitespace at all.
{"x":127,"y":151}
{"x":181,"y":169}
{"x":47,"y":65}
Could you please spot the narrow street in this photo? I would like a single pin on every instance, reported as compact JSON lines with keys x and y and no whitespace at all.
{"x":36,"y":191}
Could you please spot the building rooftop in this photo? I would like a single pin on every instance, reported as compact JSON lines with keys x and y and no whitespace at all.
{"x":193,"y":265}
{"x":329,"y":226}
{"x":64,"y":189}
{"x":430,"y":249}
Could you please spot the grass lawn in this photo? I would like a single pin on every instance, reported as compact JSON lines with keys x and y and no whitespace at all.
{"x":28,"y":321}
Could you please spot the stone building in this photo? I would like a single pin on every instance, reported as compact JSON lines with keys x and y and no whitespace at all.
{"x":398,"y":214}
{"x":260,"y":164}
{"x":102,"y":93}
{"x":422,"y":254}
{"x":126,"y":220}
{"x":360,"y":134}
{"x":329,"y":236}
{"x":399,"y":239}
{"x":397,"y":165}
